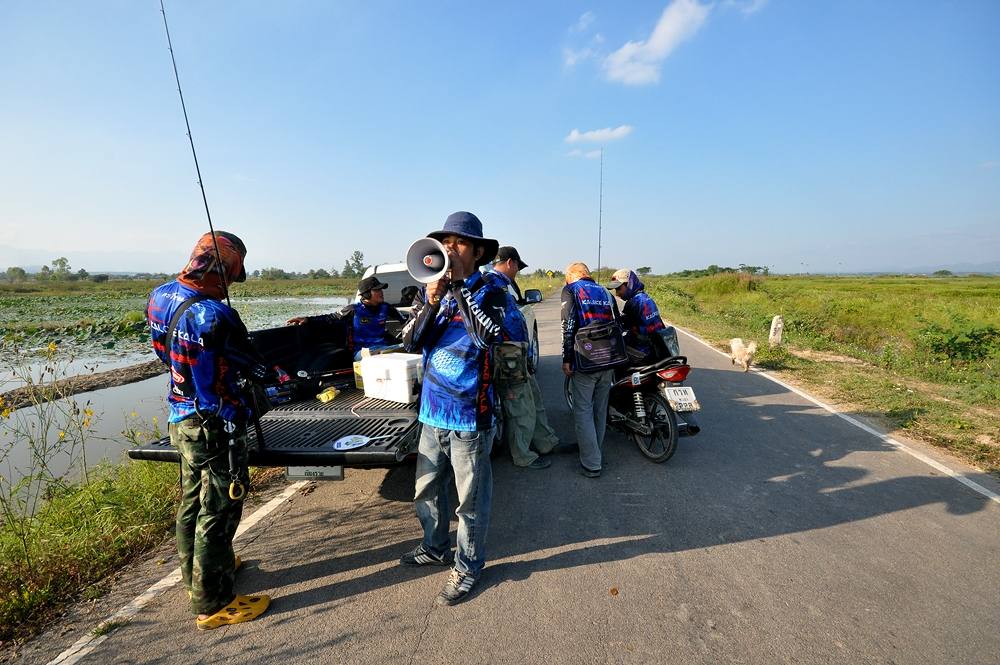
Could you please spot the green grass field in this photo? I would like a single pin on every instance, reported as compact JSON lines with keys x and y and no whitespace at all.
{"x":920,"y":354}
{"x":89,"y":317}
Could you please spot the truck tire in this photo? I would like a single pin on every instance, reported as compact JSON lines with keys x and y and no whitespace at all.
{"x":533,"y":361}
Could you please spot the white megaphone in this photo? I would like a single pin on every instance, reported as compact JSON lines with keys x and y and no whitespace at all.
{"x":427,"y":260}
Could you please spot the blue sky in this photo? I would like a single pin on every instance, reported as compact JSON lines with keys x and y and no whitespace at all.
{"x":806,"y":136}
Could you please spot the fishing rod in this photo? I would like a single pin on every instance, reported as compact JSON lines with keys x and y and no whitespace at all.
{"x":237,"y":490}
{"x":194,"y":153}
{"x":600,"y":213}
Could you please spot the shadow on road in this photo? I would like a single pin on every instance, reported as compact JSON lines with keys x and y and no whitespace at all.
{"x":766,"y":464}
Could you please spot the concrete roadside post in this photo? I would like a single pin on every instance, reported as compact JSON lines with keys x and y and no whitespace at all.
{"x":777,"y":326}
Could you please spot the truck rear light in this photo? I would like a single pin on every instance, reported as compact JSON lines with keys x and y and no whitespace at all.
{"x":674,"y":374}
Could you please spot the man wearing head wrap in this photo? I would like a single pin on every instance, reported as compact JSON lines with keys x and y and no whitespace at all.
{"x":206,"y":346}
{"x":640,"y":316}
{"x":586,"y":303}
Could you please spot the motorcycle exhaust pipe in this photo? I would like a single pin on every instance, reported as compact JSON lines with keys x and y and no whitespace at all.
{"x":688,"y":428}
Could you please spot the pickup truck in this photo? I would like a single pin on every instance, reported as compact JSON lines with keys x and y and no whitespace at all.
{"x":297,"y":430}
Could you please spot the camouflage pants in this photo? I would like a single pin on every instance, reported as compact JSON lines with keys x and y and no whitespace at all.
{"x":525,"y":422}
{"x":207,"y":518}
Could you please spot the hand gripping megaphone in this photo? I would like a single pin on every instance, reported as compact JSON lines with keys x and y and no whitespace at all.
{"x":427,"y":260}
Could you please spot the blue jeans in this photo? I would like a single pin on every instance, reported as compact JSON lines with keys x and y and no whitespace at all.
{"x":465,"y":456}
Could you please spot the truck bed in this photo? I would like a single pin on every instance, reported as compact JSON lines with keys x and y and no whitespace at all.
{"x":301,"y":433}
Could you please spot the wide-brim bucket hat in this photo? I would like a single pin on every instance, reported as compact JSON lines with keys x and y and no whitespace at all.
{"x":467,"y":225}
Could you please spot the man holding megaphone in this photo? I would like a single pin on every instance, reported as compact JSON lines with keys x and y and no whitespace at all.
{"x":460,"y":319}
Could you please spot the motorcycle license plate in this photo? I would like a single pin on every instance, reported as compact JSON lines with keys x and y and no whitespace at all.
{"x":681,"y":398}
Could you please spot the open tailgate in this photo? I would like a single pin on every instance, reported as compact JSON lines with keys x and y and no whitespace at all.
{"x":301,"y":433}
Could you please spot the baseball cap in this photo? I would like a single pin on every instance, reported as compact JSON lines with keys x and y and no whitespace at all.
{"x":369,"y":283}
{"x":618,"y":278}
{"x":509,"y":252}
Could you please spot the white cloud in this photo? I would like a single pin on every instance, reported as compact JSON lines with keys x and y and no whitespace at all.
{"x":747,"y":7}
{"x":598,"y":135}
{"x":990,"y":165}
{"x":583,"y":22}
{"x":590,"y":154}
{"x":571,"y":57}
{"x":638,"y":63}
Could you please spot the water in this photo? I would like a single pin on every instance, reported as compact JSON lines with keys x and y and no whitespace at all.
{"x":133,"y":406}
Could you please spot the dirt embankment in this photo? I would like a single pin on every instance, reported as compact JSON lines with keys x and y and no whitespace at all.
{"x":27,"y":395}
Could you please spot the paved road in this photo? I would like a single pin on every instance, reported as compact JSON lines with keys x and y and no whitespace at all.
{"x":780,"y":534}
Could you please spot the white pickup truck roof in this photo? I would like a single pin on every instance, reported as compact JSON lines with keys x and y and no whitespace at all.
{"x":397,"y":277}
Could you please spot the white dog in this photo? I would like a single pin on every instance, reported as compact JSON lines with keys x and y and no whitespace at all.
{"x":740,"y":353}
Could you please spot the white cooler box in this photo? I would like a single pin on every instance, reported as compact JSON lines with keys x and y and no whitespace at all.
{"x":393,"y":376}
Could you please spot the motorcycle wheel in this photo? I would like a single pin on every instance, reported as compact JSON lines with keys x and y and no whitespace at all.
{"x":499,"y":440}
{"x":662,"y":443}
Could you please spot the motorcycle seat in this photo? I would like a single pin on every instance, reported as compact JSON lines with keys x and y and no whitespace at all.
{"x":658,"y":365}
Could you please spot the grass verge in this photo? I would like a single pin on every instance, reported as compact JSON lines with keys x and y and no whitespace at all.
{"x":916,"y":355}
{"x":81,"y":535}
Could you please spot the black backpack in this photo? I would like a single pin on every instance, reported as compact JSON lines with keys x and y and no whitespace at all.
{"x":598,"y":347}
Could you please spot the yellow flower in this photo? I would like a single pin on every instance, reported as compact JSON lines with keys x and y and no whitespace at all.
{"x":134,"y":414}
{"x":62,"y":435}
{"x":89,"y":412}
{"x":52,"y":347}
{"x":155,"y":420}
{"x":5,"y":413}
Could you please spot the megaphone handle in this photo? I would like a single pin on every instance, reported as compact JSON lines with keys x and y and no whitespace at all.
{"x":435,"y":291}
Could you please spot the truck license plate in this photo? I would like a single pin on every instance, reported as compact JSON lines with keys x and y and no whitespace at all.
{"x":681,"y":399}
{"x":314,"y":473}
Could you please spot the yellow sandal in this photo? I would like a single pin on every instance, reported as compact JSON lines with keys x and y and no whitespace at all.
{"x":242,"y":608}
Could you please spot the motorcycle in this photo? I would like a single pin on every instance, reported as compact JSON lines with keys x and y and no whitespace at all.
{"x":650,"y":404}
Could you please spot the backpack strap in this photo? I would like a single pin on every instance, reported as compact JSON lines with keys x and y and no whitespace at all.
{"x":175,"y":319}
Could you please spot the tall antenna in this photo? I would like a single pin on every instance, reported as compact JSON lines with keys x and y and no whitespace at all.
{"x":600,"y":213}
{"x":204,"y":198}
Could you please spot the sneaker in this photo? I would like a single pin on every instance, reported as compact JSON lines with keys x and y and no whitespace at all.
{"x":538,"y":463}
{"x":421,"y":557}
{"x":584,"y":471}
{"x":456,"y":589}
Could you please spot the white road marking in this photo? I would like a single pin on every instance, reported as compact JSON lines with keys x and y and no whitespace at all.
{"x":971,"y":484}
{"x":89,"y":642}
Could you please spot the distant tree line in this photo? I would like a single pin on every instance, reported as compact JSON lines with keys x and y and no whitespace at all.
{"x":59,"y":270}
{"x":715,"y":270}
{"x":354,"y":268}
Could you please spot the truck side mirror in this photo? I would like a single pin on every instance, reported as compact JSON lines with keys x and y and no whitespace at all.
{"x":531,"y":296}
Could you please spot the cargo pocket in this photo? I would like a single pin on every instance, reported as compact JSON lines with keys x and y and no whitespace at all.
{"x":511,"y":362}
